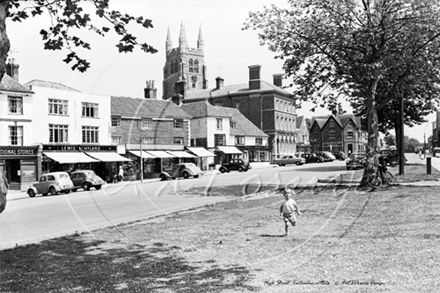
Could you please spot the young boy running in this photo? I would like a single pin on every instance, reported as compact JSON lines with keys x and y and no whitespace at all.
{"x":288,"y":209}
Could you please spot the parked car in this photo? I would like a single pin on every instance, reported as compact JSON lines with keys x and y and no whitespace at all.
{"x":312,"y":158}
{"x":184,"y":170}
{"x":356,"y":161}
{"x":390,"y":157}
{"x":51,"y":183}
{"x":340,"y":156}
{"x":326,"y":156}
{"x":235,"y":164}
{"x":284,"y":160}
{"x":86,"y":179}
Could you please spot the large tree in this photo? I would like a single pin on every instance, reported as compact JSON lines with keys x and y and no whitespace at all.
{"x":68,"y":17}
{"x":346,"y":47}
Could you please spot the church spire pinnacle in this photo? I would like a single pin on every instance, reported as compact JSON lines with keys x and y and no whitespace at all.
{"x":200,"y":42}
{"x":169,"y":43}
{"x":182,"y":38}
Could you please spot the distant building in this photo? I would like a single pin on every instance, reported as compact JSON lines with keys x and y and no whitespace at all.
{"x":337,"y":133}
{"x":302,"y":135}
{"x":436,"y":133}
{"x":227,"y":133}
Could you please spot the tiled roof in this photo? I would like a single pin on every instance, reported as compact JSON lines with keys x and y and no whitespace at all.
{"x":11,"y":85}
{"x":48,"y":84}
{"x":147,"y":108}
{"x":232,"y":89}
{"x":244,"y":126}
{"x":204,"y":109}
{"x":342,"y":120}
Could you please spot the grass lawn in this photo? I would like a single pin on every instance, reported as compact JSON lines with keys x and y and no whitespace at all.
{"x":352,"y":241}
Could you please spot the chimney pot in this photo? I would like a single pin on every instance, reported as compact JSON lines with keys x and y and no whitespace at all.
{"x":219,"y":82}
{"x":254,"y":77}
{"x":278,"y":79}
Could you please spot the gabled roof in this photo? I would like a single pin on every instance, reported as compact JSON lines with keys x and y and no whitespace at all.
{"x":11,"y":85}
{"x":299,"y":121}
{"x":147,"y":108}
{"x":48,"y":84}
{"x":232,"y":89}
{"x":204,"y":109}
{"x":342,"y":120}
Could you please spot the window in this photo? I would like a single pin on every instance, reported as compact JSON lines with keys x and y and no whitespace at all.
{"x":178,"y":123}
{"x":239,"y":140}
{"x":233,"y":124}
{"x":58,"y":107}
{"x":332,"y":134}
{"x":196,"y":66}
{"x":178,"y":140}
{"x":90,"y":134}
{"x":146,"y":123}
{"x":116,"y":121}
{"x":116,"y":139}
{"x":258,"y":141}
{"x":350,"y":134}
{"x":191,"y":65}
{"x":219,"y":139}
{"x":16,"y":135}
{"x":90,"y":110}
{"x":218,"y":104}
{"x":316,"y":135}
{"x":15,"y":105}
{"x":148,"y":140}
{"x":332,"y":123}
{"x":237,"y":106}
{"x":174,"y":67}
{"x":58,"y":133}
{"x":219,"y":123}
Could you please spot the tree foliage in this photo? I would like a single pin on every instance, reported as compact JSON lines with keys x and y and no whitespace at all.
{"x":350,"y":48}
{"x":68,"y":18}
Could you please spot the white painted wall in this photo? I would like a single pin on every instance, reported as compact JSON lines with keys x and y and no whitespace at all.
{"x":25,"y":120}
{"x":42,"y":118}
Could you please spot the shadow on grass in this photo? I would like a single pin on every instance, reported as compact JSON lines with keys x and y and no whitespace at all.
{"x":80,"y":264}
{"x":231,"y":190}
{"x":273,"y":236}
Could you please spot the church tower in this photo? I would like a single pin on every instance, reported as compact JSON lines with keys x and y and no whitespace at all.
{"x":184,"y":65}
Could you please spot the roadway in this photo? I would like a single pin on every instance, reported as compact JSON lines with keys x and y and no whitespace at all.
{"x":31,"y":220}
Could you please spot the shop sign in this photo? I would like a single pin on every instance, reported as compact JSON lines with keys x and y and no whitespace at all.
{"x":18,"y":151}
{"x":82,"y":148}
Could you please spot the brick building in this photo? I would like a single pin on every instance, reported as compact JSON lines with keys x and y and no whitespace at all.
{"x":150,"y":129}
{"x":266,"y":105}
{"x":337,"y":133}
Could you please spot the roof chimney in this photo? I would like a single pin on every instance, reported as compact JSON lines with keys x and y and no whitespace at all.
{"x":254,"y":77}
{"x":150,"y":92}
{"x":219,"y":82}
{"x":278,"y":79}
{"x":12,"y":69}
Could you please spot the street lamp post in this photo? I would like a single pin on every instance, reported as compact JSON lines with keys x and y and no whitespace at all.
{"x":142,"y":160}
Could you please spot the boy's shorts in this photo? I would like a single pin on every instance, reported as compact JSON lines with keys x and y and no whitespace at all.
{"x":289,"y":218}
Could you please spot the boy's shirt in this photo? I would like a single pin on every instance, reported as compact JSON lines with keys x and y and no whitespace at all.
{"x":288,"y":207}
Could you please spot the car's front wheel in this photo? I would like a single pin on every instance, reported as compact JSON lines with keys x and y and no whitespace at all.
{"x":98,"y":187}
{"x":86,"y":186}
{"x":185,"y":175}
{"x":222,"y":170}
{"x":196,"y":176}
{"x":240,"y":169}
{"x":52,"y":190}
{"x":66,"y":191}
{"x":298,"y":163}
{"x":162,"y":177}
{"x":31,"y":193}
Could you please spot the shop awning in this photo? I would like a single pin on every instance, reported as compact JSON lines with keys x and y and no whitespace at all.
{"x":229,"y":150}
{"x":70,"y":157}
{"x":201,"y":152}
{"x":181,"y":154}
{"x":144,"y":154}
{"x":108,"y":156}
{"x":161,"y":154}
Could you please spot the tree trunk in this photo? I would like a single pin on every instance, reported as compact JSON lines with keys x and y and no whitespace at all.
{"x":4,"y":40}
{"x":4,"y":49}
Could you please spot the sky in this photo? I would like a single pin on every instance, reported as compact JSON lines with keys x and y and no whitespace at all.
{"x":229,"y":50}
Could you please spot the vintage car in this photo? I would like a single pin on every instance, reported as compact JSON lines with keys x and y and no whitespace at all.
{"x":285,"y":160}
{"x":312,"y":158}
{"x":356,"y":161}
{"x":86,"y":179}
{"x":235,"y":164}
{"x":184,"y":170}
{"x":390,"y":156}
{"x":51,"y":183}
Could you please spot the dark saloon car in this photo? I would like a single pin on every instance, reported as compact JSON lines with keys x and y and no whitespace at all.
{"x":235,"y":164}
{"x":184,"y":170}
{"x":86,"y":179}
{"x":356,"y":161}
{"x":340,"y":156}
{"x":312,"y":158}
